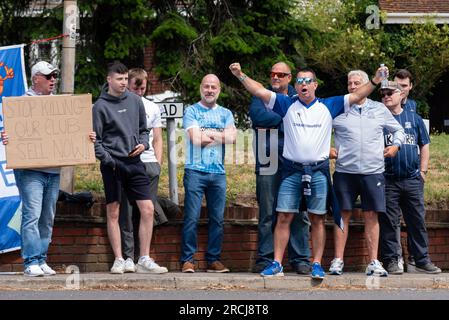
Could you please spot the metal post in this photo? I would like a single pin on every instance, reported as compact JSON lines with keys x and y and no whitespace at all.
{"x":172,"y":160}
{"x":68,"y":75}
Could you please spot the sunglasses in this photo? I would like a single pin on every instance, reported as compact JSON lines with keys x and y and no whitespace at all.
{"x":280,"y":75}
{"x":49,"y":76}
{"x":387,"y":93}
{"x":304,"y":80}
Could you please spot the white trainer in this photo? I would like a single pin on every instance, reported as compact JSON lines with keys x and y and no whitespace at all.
{"x":147,"y":265}
{"x":336,"y":267}
{"x":119,"y":266}
{"x":401,"y":264}
{"x":47,"y":270}
{"x":375,"y":269}
{"x":129,"y":265}
{"x":33,"y":271}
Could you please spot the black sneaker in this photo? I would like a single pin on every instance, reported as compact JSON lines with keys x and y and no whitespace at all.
{"x":303,"y":269}
{"x":393,"y":267}
{"x":428,"y":268}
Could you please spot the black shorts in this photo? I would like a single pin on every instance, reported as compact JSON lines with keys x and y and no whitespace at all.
{"x":129,"y":174}
{"x":371,"y":189}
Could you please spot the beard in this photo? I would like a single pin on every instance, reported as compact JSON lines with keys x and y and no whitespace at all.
{"x":209,"y":99}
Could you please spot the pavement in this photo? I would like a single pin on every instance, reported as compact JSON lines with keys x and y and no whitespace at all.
{"x":219,"y":281}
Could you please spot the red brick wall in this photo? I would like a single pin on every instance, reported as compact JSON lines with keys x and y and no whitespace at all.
{"x":82,"y":240}
{"x":156,"y":86}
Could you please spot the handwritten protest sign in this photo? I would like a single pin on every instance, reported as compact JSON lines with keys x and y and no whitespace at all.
{"x":48,"y":131}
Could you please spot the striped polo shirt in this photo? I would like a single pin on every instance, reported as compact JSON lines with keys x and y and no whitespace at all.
{"x":406,"y":164}
{"x":208,"y":159}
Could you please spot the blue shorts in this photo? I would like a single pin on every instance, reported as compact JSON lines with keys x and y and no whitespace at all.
{"x":289,"y":195}
{"x":370,"y":187}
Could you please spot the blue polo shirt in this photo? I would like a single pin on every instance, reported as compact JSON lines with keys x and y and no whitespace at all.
{"x":406,"y":164}
{"x":208,"y":159}
{"x":261,"y":117}
{"x":410,"y":105}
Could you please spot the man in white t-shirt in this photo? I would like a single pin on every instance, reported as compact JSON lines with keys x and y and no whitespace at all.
{"x":152,"y":158}
{"x":307,"y":124}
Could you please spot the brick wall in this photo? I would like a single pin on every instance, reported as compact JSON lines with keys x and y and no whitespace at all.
{"x":80,"y":238}
{"x":156,"y":86}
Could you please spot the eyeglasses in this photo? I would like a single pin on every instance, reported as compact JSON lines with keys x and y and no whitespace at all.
{"x":387,"y":93}
{"x":280,"y":75}
{"x":49,"y":76}
{"x":306,"y":80}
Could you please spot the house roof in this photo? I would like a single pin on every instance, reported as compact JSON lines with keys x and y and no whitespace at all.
{"x":417,"y":6}
{"x":415,"y":11}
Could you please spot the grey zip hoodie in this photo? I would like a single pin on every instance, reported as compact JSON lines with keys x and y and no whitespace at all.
{"x":359,"y":137}
{"x":120,"y":125}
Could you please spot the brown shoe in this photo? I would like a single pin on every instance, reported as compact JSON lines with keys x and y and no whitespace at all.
{"x":188,"y":267}
{"x":217,"y":266}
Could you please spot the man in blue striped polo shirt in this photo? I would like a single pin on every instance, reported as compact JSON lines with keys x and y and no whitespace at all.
{"x":404,"y":188}
{"x":208,"y":128}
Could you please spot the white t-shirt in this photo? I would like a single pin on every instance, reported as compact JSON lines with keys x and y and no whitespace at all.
{"x":307,"y":128}
{"x":153,"y":114}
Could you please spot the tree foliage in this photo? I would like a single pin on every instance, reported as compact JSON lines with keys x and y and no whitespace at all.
{"x":196,"y":37}
{"x":108,"y":30}
{"x":205,"y":36}
{"x":340,"y":42}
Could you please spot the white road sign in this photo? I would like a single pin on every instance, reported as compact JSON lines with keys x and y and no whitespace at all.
{"x":171,"y":109}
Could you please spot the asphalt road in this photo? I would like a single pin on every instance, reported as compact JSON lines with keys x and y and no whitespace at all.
{"x":248,"y":296}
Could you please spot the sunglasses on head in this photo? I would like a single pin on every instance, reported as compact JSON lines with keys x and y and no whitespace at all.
{"x":306,"y":80}
{"x":280,"y":75}
{"x":49,"y":76}
{"x":387,"y":93}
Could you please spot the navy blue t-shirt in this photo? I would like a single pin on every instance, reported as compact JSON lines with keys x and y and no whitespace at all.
{"x":410,"y":105}
{"x":406,"y":164}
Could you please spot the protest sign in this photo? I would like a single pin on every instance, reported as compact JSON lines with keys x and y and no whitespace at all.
{"x":48,"y":131}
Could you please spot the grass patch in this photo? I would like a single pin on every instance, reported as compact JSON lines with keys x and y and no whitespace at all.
{"x":241,"y":180}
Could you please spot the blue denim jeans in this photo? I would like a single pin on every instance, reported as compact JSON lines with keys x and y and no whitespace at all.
{"x":290,"y":197}
{"x":197,"y":184}
{"x":39,"y":193}
{"x":298,"y":246}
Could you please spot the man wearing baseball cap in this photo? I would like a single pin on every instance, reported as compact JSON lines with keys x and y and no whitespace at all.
{"x":405,"y":176}
{"x":43,"y":77}
{"x":38,"y":189}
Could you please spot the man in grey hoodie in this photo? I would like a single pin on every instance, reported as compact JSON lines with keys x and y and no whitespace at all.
{"x":122,"y":135}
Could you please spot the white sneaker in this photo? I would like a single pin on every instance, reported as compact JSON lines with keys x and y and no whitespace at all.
{"x":119,"y":266}
{"x":33,"y":271}
{"x":401,"y":264}
{"x":47,"y":270}
{"x":147,"y":265}
{"x":336,"y":267}
{"x":129,"y":265}
{"x":375,"y":269}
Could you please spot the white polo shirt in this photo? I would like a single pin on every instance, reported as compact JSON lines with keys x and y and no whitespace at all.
{"x":307,"y":128}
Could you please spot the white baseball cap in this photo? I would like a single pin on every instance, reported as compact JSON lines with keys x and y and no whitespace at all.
{"x":44,"y":68}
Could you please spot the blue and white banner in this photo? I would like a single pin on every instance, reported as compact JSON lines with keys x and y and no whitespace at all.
{"x":12,"y":83}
